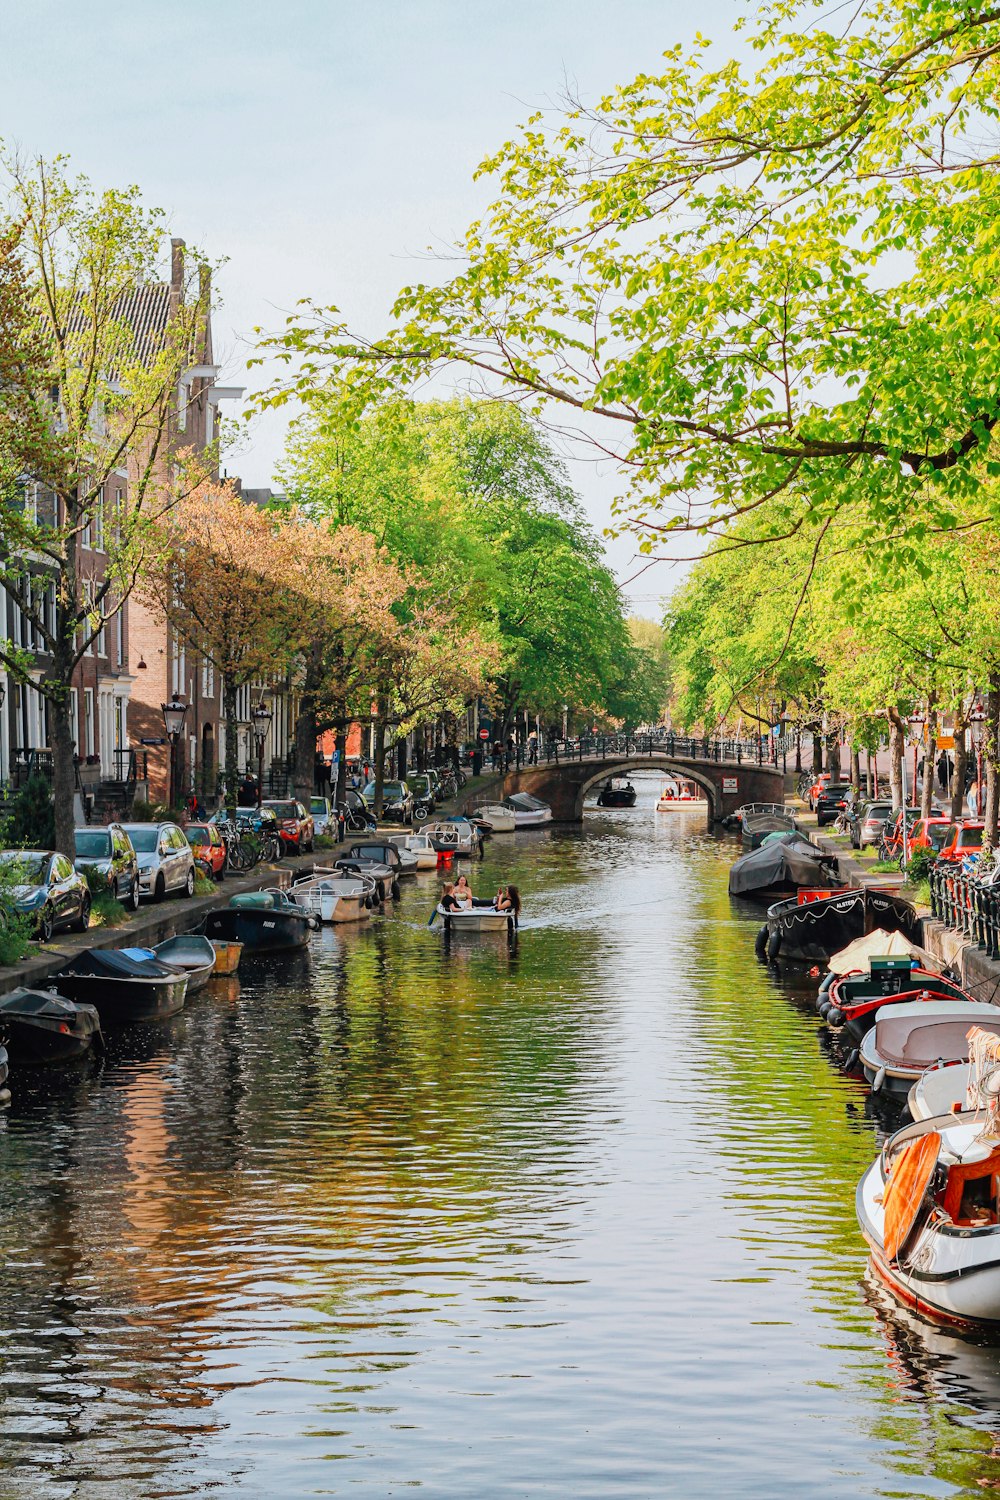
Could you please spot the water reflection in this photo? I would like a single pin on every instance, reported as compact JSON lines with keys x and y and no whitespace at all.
{"x":571,"y":1217}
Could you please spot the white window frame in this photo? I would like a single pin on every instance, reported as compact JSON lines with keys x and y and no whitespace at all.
{"x":89,"y":730}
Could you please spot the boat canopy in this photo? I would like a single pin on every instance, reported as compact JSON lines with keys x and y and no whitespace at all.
{"x":780,"y":864}
{"x":117,"y":963}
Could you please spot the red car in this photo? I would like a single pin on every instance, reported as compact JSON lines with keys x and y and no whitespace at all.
{"x":962,"y":839}
{"x":207,"y":844}
{"x":927,"y":833}
{"x":295,"y":825}
{"x":817,"y":786}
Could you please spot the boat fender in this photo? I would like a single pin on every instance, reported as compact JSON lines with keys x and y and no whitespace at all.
{"x":823,"y":1006}
{"x":774,"y":943}
{"x":395,"y":890}
{"x":835,"y":1016}
{"x":827,"y":982}
{"x":879,"y":1079}
{"x":760,"y":943}
{"x":314,"y":922}
{"x":851,"y":1060}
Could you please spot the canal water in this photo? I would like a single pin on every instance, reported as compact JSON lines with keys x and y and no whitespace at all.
{"x":572,"y":1219}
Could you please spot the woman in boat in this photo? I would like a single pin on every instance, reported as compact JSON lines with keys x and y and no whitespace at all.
{"x":463,"y":892}
{"x":508,"y":898}
{"x":448,"y":899}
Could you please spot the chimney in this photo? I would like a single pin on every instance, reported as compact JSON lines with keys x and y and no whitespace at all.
{"x":176,"y":274}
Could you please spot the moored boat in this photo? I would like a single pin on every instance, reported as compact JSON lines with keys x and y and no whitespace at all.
{"x":263,"y":921}
{"x":529,"y":812}
{"x":909,"y":1038}
{"x":192,"y":953}
{"x":499,"y":818}
{"x":123,"y":988}
{"x":387,"y":852}
{"x":420,"y":846}
{"x":929,"y":1212}
{"x":758,"y":826}
{"x":811,"y":926}
{"x":617,"y":791}
{"x":779,"y":868}
{"x":852,"y":1003}
{"x":940,"y":1091}
{"x":227,"y":955}
{"x":453,"y":836}
{"x":44,"y":1029}
{"x":336,"y":898}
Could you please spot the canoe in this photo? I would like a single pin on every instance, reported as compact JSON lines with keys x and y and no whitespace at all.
{"x":123,"y":988}
{"x":227,"y":956}
{"x":44,"y":1029}
{"x":263,"y":921}
{"x":476,"y":919}
{"x":192,"y":953}
{"x":934,"y":1237}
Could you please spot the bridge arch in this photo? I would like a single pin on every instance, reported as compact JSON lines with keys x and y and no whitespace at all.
{"x":682,"y":769}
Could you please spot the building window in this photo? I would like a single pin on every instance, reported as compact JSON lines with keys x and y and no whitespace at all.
{"x":120,"y":635}
{"x":207,"y":680}
{"x":178,"y":669}
{"x":182,"y":407}
{"x":98,"y":522}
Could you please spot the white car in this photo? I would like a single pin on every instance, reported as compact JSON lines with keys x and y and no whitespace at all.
{"x":166,"y":862}
{"x":322,"y":811}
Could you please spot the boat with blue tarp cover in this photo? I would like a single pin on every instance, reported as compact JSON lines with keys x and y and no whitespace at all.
{"x":124,"y":985}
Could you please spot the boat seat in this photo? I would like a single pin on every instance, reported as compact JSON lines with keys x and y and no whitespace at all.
{"x":973,"y":1185}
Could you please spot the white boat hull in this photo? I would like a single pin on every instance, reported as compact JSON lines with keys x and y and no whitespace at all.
{"x":332,"y":900}
{"x":533,"y":819}
{"x":476,"y":919}
{"x":500,"y":819}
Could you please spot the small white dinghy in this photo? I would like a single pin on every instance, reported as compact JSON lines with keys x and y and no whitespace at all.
{"x":420,"y":846}
{"x":908,"y":1039}
{"x":939,"y":1091}
{"x":454,"y":836}
{"x":501,"y":819}
{"x":336,"y":898}
{"x":529,"y":812}
{"x":476,"y":919}
{"x":929,"y":1209}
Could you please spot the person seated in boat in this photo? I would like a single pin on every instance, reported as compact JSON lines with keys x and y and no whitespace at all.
{"x":449,"y":901}
{"x":463,"y":892}
{"x":508,"y":899}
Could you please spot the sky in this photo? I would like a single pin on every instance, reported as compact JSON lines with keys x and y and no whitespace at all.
{"x":320,"y":146}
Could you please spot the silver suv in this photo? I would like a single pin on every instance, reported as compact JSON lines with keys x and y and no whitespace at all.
{"x":166,"y":862}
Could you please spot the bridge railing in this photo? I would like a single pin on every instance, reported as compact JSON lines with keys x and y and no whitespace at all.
{"x":762,"y":750}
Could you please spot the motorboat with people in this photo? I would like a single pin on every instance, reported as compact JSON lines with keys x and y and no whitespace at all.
{"x":617,"y":791}
{"x":928,"y":1209}
{"x":459,"y":911}
{"x":908,"y":1038}
{"x":336,"y":898}
{"x":44,"y":1029}
{"x":780,"y":868}
{"x":386,"y":852}
{"x":529,"y":811}
{"x":420,"y":846}
{"x":124,"y":986}
{"x":813,"y":925}
{"x":674,"y":796}
{"x":499,"y":818}
{"x":265,"y":921}
{"x":851,"y":1003}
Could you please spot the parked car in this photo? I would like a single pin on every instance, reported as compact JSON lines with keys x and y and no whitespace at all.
{"x":295,"y":825}
{"x":867,"y":822}
{"x":110,"y":852}
{"x":321,"y":809}
{"x":208,"y":845}
{"x":831,"y":800}
{"x":927,"y":833}
{"x":961,"y":840}
{"x":815,"y":787}
{"x":424,"y":786}
{"x":46,"y":889}
{"x":165,"y":859}
{"x":397,"y":801}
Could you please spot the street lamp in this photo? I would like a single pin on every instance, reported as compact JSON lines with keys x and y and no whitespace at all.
{"x":565,"y":720}
{"x":174,"y":714}
{"x":261,"y":718}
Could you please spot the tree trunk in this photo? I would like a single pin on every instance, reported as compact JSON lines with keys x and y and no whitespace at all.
{"x":833,"y":755}
{"x":62,"y":733}
{"x":798,"y":750}
{"x":304,"y":775}
{"x":961,"y":766}
{"x":991,"y":755}
{"x":232,"y":743}
{"x":817,"y":739}
{"x":856,"y":769}
{"x":896,"y":749}
{"x":927,"y":795}
{"x":379,"y":761}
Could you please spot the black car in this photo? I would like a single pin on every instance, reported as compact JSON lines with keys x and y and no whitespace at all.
{"x":45,"y":888}
{"x":831,"y":801}
{"x":110,"y":852}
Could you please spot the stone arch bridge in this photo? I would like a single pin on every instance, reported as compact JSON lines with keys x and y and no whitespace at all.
{"x":730,"y":772}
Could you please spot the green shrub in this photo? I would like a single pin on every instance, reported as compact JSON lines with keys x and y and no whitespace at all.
{"x":105,"y":908}
{"x":920,"y":863}
{"x":921,"y":893}
{"x":884,"y":866}
{"x":324,"y":841}
{"x":33,"y":825}
{"x":143,"y":811}
{"x":15,"y":937}
{"x":203,"y":886}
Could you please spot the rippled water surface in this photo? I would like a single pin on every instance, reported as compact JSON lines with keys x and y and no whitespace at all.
{"x":575,"y":1219}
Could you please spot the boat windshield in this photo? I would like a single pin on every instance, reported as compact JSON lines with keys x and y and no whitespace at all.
{"x":93,"y":843}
